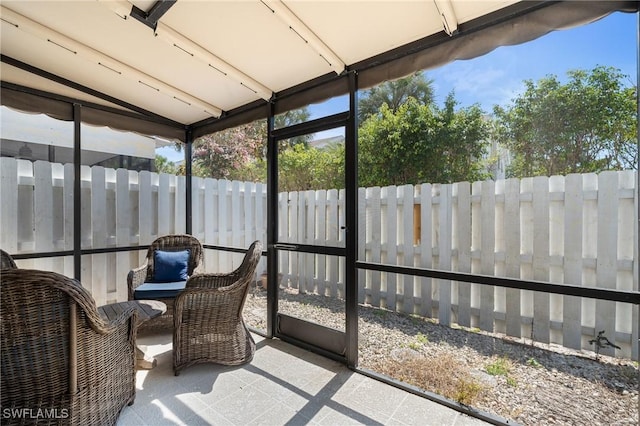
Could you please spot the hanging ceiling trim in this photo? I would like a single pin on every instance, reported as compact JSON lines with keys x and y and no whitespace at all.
{"x":448,"y":16}
{"x":174,"y":38}
{"x":300,"y":28}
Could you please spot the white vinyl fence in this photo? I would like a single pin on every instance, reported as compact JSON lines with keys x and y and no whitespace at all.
{"x":578,"y":229}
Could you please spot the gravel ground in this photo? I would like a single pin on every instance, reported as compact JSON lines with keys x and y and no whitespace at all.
{"x":531,"y":385}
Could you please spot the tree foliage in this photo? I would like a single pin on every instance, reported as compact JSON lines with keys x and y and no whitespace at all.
{"x":302,"y":168}
{"x":421,"y":143}
{"x":395,"y":93}
{"x":163,"y":165}
{"x":587,"y":124}
{"x":240,"y":152}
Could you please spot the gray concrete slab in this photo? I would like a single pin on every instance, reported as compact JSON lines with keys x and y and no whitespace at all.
{"x":283,"y":385}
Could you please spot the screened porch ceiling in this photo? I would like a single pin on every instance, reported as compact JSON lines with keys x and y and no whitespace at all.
{"x":193,"y":61}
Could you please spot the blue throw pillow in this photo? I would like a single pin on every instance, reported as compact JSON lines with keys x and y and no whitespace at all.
{"x":170,"y":266}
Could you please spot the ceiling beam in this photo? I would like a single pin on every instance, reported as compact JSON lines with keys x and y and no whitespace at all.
{"x":296,"y":25}
{"x":151,"y":18}
{"x":447,"y":15}
{"x":174,"y":38}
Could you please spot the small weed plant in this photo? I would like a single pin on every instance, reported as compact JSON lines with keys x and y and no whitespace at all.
{"x":532,"y":362}
{"x":502,"y":367}
{"x":421,"y":338}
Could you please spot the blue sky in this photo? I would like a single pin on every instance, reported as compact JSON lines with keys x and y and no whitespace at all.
{"x":497,"y":77}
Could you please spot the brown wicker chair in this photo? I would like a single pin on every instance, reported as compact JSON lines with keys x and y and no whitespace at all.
{"x":208,"y":323}
{"x":6,"y":261}
{"x":59,"y":356}
{"x":146,"y":274}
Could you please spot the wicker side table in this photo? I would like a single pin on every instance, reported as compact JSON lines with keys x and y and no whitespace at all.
{"x":147,"y":309}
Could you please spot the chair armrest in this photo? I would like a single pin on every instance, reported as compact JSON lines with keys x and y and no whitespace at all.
{"x":211,"y":281}
{"x":135,"y":278}
{"x":115,"y":366}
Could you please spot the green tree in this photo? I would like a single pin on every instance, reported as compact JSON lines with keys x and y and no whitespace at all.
{"x":304,"y":168}
{"x":421,"y":143}
{"x":163,"y":165}
{"x":395,"y":93}
{"x":287,"y":119}
{"x":587,"y":124}
{"x":240,"y":152}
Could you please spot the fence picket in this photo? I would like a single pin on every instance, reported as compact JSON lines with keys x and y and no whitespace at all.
{"x":361,"y":255}
{"x":512,"y":255}
{"x":607,"y":258}
{"x":211,"y":223}
{"x":462,"y":245}
{"x":444,"y":253}
{"x":572,"y":306}
{"x":223,"y":224}
{"x":145,"y":208}
{"x":390,"y":242}
{"x":310,"y":238}
{"x":541,"y":256}
{"x":98,"y":234}
{"x":556,"y":251}
{"x":9,"y":207}
{"x":123,"y":232}
{"x":626,"y":314}
{"x":405,"y":193}
{"x":426,"y":248}
{"x":236,"y":220}
{"x":333,"y":231}
{"x":68,"y":222}
{"x":42,"y":210}
{"x":197,"y":207}
{"x":374,"y":226}
{"x":487,"y":253}
{"x":321,"y":239}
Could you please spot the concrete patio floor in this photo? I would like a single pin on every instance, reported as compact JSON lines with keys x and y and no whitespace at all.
{"x":283,"y":385}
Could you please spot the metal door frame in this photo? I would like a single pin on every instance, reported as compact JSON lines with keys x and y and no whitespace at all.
{"x":342,"y":346}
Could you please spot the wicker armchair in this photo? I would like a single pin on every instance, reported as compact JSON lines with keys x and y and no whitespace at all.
{"x":145,"y":274}
{"x":6,"y":261}
{"x":59,"y":356}
{"x":208,"y":323}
